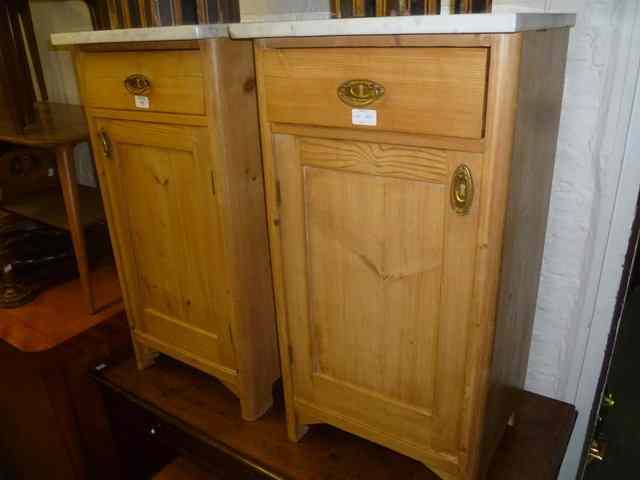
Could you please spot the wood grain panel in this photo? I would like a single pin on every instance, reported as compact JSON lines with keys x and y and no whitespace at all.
{"x":176,"y":77}
{"x":436,"y":91}
{"x":162,"y":187}
{"x":379,"y":278}
{"x":185,"y":205}
{"x":532,"y":166}
{"x":348,"y":222}
{"x":235,"y":152}
{"x":375,"y":159}
{"x":367,"y":270}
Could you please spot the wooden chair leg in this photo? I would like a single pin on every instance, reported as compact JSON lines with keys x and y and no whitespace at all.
{"x":68,"y":182}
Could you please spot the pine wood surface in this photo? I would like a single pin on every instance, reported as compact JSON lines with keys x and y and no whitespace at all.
{"x":185,"y":205}
{"x":437,"y":91}
{"x":175,"y":76}
{"x":366,"y":294}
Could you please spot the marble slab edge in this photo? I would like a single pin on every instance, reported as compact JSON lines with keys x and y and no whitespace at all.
{"x":152,"y":34}
{"x":419,"y":24}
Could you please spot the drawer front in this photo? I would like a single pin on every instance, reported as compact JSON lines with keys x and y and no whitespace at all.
{"x":171,"y":80}
{"x":435,"y":91}
{"x":136,"y":427}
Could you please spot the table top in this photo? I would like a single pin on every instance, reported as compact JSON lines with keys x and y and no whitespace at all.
{"x":57,"y":124}
{"x":58,"y":314}
{"x":199,"y":405}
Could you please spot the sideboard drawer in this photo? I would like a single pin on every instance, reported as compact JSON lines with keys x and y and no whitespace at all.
{"x":171,"y":80}
{"x":435,"y":91}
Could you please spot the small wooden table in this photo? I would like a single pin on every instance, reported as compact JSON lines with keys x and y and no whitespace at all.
{"x":61,"y":127}
{"x":171,"y":410}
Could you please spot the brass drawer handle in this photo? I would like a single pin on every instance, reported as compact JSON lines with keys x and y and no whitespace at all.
{"x":358,"y":93}
{"x":137,"y":84}
{"x":106,"y":143}
{"x":462,"y":190}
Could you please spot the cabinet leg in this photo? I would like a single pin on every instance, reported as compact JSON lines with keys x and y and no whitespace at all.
{"x":255,"y":405}
{"x":296,"y":430}
{"x":145,"y":357}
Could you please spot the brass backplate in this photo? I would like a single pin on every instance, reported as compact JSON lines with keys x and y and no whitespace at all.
{"x":462,"y":190}
{"x":137,"y":84}
{"x":360,"y":93}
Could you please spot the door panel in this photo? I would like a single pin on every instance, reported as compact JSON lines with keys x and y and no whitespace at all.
{"x":368,"y":268}
{"x":379,"y":273}
{"x":159,"y":178}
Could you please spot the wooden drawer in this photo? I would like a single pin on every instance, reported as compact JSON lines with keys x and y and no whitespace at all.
{"x":175,"y":77}
{"x":138,"y":428}
{"x":435,"y":91}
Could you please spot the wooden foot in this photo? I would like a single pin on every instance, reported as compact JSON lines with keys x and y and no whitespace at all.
{"x":145,"y":357}
{"x":256,"y":406}
{"x":297,"y":431}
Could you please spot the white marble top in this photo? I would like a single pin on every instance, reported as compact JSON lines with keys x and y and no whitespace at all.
{"x":470,"y":23}
{"x":122,"y":35}
{"x":415,"y":24}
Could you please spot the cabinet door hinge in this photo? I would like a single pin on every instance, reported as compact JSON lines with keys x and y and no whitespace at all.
{"x":278,"y":193}
{"x":213,"y":183}
{"x":231,"y":336}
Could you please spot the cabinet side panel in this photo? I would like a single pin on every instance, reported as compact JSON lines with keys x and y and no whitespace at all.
{"x":239,"y":167}
{"x":541,"y":83}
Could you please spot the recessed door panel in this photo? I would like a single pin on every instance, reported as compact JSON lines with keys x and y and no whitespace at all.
{"x":160,"y":177}
{"x":378,"y":272}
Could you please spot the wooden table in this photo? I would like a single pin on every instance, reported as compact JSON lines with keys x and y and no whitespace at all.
{"x":171,"y":410}
{"x":61,"y":127}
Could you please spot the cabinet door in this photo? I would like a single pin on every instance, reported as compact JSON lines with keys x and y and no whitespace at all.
{"x":160,"y":186}
{"x":378,"y":273}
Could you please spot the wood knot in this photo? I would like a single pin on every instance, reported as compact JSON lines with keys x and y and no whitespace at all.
{"x":249,"y":85}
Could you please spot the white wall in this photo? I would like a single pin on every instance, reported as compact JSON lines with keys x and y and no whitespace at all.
{"x":579,"y":283}
{"x":67,"y":16}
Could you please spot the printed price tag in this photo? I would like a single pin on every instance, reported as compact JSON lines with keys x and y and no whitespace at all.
{"x":364,"y":117}
{"x":142,"y":101}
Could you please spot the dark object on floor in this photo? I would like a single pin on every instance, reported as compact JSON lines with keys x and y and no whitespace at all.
{"x":34,"y":257}
{"x":171,"y":409}
{"x":52,"y":420}
{"x":621,"y":427}
{"x":69,"y":206}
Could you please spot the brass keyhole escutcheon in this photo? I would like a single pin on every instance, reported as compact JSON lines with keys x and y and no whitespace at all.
{"x":137,"y":84}
{"x":462,"y":190}
{"x":359,"y":93}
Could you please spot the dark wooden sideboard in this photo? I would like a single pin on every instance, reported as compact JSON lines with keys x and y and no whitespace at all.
{"x":52,"y":420}
{"x":171,"y":410}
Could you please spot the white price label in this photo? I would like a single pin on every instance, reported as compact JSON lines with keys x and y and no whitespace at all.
{"x":142,"y":101}
{"x":364,"y":117}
